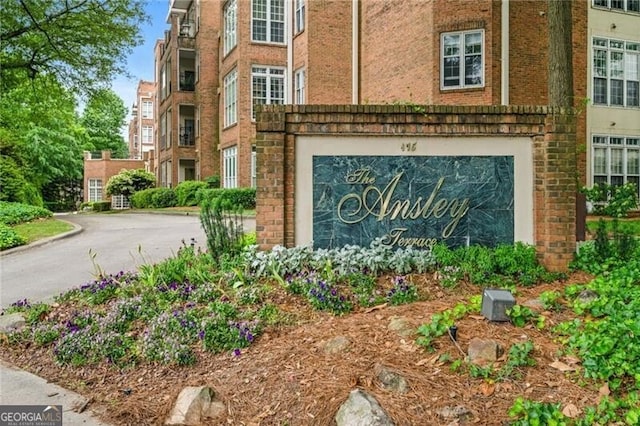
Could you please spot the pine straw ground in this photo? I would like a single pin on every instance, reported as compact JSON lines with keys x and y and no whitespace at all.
{"x":286,"y":378}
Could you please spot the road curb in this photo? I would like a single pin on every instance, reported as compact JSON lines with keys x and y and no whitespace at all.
{"x":76,"y":230}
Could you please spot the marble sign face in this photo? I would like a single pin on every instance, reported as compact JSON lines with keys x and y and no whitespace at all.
{"x":413,"y":201}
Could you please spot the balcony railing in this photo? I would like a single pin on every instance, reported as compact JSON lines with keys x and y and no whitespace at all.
{"x":187,"y":137}
{"x":187,"y":81}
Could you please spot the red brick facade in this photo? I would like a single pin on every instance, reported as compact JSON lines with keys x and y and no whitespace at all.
{"x":103,"y":168}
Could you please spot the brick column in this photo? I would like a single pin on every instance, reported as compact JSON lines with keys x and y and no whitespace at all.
{"x":556,"y":186}
{"x":270,"y":167}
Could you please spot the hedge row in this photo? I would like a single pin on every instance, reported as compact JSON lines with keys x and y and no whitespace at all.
{"x":193,"y":193}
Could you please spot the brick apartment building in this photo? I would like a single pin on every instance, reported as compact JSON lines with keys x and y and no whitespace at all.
{"x":142,"y":126}
{"x":221,"y":58}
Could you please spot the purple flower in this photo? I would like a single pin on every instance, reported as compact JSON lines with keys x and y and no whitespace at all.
{"x":237,"y":352}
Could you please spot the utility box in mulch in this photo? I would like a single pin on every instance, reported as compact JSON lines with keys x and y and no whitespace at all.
{"x":495,"y":303}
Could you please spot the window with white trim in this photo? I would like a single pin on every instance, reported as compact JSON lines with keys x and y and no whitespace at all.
{"x":267,"y":21}
{"x":254,"y":167}
{"x":462,"y":61}
{"x":616,"y":72}
{"x":230,"y":164}
{"x":147,"y":109}
{"x":95,"y":190}
{"x":231,"y":98}
{"x":298,"y":80}
{"x":147,"y":135}
{"x":619,"y":5}
{"x":299,"y":21}
{"x":267,"y":86}
{"x":616,"y":160}
{"x":230,"y":26}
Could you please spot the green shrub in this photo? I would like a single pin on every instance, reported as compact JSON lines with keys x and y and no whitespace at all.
{"x":222,"y":224}
{"x":128,"y":182}
{"x":213,"y":181}
{"x":9,"y":238}
{"x":101,"y":206}
{"x":239,"y":197}
{"x":612,"y":200}
{"x":14,"y":213}
{"x":15,"y":187}
{"x":163,"y":197}
{"x":186,"y":192}
{"x":142,"y":199}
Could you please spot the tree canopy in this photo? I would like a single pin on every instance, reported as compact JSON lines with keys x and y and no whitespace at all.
{"x":83,"y":43}
{"x":103,"y":118}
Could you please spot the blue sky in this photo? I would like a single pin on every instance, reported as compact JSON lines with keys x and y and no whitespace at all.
{"x":140,"y":62}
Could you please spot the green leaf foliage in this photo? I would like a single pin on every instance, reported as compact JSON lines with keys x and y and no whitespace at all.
{"x":128,"y":182}
{"x":186,"y":192}
{"x":80,"y":43}
{"x":103,"y":117}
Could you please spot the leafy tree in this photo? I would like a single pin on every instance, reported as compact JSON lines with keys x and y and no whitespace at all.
{"x":128,"y":182}
{"x":82,"y":43}
{"x":103,"y":118}
{"x":40,"y":136}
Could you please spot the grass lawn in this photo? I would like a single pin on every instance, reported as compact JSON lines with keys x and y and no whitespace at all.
{"x":42,"y":228}
{"x":630,"y":224}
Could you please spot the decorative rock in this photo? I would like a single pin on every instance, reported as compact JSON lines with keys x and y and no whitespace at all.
{"x":194,"y":404}
{"x":12,"y":322}
{"x":483,"y":350}
{"x":361,"y":409}
{"x":401,"y":326}
{"x":336,"y":345}
{"x":391,"y":380}
{"x":587,"y":296}
{"x":456,"y":412}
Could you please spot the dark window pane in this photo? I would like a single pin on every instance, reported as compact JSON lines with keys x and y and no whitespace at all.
{"x":633,"y":93}
{"x":600,"y":91}
{"x":617,"y":92}
{"x":473,"y":70}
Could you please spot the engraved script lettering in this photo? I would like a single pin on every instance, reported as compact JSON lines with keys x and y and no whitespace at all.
{"x":356,"y":207}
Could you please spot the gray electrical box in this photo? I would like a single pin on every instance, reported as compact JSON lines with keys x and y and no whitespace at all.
{"x":495,"y":303}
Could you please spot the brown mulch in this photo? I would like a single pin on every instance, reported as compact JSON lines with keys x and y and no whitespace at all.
{"x":286,"y":377}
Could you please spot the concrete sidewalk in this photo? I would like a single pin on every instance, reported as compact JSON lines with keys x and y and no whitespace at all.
{"x":17,"y":387}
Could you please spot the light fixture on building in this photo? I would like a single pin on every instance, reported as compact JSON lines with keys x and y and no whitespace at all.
{"x":613,"y":123}
{"x":613,"y":26}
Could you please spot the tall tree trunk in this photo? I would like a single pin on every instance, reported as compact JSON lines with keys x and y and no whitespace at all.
{"x":560,"y":57}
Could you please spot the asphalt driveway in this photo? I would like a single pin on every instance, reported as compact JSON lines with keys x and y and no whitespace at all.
{"x":108,"y":242}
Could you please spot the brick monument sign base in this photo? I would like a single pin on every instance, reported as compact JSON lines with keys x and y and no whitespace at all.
{"x":331,"y":175}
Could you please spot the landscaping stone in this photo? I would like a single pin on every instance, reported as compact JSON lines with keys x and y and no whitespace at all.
{"x":454,"y":412}
{"x":194,"y":404}
{"x":587,"y":296}
{"x":481,"y":350}
{"x":362,"y":409}
{"x":336,"y":345}
{"x":401,"y":326}
{"x":12,"y":322}
{"x":391,"y":380}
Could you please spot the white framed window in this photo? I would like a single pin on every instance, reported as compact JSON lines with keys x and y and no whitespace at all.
{"x":254,"y":167}
{"x":231,"y":98}
{"x":616,"y":160}
{"x":95,"y":190}
{"x":230,"y":26}
{"x":299,"y":21}
{"x":619,"y":5}
{"x":147,"y":135}
{"x":267,"y":86}
{"x":230,"y":159}
{"x":147,"y":109}
{"x":616,"y":72}
{"x":267,"y":21}
{"x":462,"y":59}
{"x":299,"y":84}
